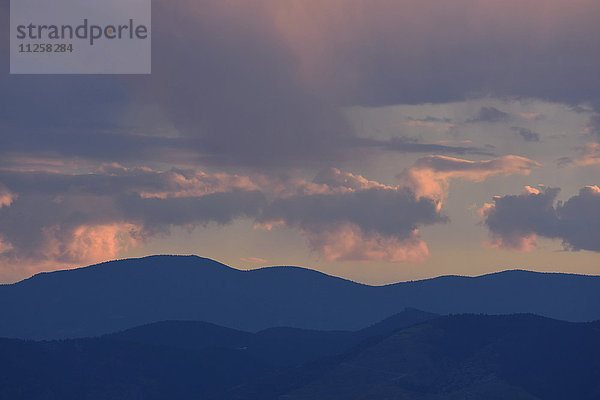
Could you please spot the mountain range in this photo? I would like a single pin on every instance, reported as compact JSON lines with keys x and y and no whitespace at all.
{"x":119,"y":295}
{"x":520,"y":356}
{"x":412,"y":355}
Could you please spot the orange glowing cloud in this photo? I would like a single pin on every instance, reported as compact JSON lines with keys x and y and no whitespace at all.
{"x":177,"y":183}
{"x":431,"y":175}
{"x":328,"y":181}
{"x":6,"y":198}
{"x":348,"y":242}
{"x":522,"y":243}
{"x":64,"y":248}
{"x":198,"y":184}
{"x":91,"y":243}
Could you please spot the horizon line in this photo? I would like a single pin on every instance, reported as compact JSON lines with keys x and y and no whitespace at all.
{"x":294,"y":267}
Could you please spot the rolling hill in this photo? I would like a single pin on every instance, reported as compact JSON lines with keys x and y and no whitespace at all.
{"x":279,"y":346}
{"x":470,"y":357}
{"x":479,"y":357}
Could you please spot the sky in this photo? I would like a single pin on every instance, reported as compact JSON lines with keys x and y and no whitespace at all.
{"x":377,"y":140}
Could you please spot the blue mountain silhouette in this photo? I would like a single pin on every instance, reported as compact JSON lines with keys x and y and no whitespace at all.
{"x":519,"y":356}
{"x":118,"y":295}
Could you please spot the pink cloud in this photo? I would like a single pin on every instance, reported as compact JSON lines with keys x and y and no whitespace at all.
{"x":592,"y":189}
{"x":177,"y":183}
{"x":90,"y":243}
{"x":530,"y":190}
{"x":336,"y":179}
{"x":327,"y":181}
{"x":198,"y":184}
{"x":515,"y":242}
{"x":430,"y":176}
{"x":485,"y":209}
{"x":63,"y":248}
{"x":6,"y":197}
{"x":348,"y":242}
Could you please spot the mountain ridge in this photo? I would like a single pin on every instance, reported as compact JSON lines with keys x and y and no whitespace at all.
{"x":519,"y":356}
{"x":295,"y":267}
{"x":122,"y":294}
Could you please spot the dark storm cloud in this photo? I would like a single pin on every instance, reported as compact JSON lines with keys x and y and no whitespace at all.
{"x":72,"y":116}
{"x":576,"y":222}
{"x":221,"y":208}
{"x":490,"y":114}
{"x":423,"y":51}
{"x":527,"y":134}
{"x":82,"y":116}
{"x":245,"y":88}
{"x":222,"y":77}
{"x":228,"y":84}
{"x":345,"y":217}
{"x":580,"y":220}
{"x":394,"y":212}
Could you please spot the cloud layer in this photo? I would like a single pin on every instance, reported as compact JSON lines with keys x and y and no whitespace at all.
{"x":49,"y":216}
{"x":265,"y":81}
